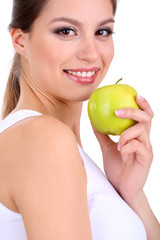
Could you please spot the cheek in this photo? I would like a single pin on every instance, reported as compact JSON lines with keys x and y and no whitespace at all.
{"x":108,"y":53}
{"x":53,"y":54}
{"x":46,"y":59}
{"x":42,"y":57}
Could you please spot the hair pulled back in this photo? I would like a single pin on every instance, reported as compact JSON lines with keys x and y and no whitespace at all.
{"x":24,"y":13}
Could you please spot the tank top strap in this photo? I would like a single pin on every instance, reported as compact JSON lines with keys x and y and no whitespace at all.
{"x":15,"y":117}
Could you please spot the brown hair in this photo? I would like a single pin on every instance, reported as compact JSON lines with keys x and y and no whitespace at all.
{"x":24,"y":14}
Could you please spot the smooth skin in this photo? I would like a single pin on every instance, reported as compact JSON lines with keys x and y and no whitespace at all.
{"x":44,"y":178}
{"x":132,"y":156}
{"x":42,"y":182}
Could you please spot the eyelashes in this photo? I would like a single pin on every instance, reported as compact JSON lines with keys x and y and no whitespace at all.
{"x":107,"y":31}
{"x":65,"y":31}
{"x":69,"y":32}
{"x":104,"y":32}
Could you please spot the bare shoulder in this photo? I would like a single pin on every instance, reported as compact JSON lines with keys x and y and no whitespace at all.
{"x":39,"y":136}
{"x":42,"y":134}
{"x":51,"y":188}
{"x":45,"y":125}
{"x":45,"y":141}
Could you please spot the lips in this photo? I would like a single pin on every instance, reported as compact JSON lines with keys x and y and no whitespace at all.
{"x":82,"y":75}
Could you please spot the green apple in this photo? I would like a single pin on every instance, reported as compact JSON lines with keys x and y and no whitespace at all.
{"x":105,"y":101}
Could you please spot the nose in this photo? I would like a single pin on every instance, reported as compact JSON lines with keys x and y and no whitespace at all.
{"x":87,"y":50}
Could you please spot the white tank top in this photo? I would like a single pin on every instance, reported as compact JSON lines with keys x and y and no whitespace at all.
{"x":111,"y":218}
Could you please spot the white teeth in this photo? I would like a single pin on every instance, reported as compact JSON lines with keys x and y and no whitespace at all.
{"x":82,"y":74}
{"x":89,"y":74}
{"x":79,"y":74}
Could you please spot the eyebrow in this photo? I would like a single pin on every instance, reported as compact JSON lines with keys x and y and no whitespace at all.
{"x":77,"y":23}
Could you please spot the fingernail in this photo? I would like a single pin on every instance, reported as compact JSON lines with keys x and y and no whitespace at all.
{"x":120,"y":112}
{"x":140,"y":97}
{"x":119,"y":147}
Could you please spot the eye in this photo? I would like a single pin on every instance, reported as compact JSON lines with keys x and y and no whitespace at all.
{"x":105,"y":32}
{"x":65,"y":31}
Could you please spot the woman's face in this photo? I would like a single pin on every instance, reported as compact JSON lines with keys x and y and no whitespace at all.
{"x":70,"y":48}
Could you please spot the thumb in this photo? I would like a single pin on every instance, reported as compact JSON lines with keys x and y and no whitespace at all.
{"x":104,"y":140}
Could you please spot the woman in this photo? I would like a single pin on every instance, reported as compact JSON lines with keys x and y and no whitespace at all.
{"x":50,"y":188}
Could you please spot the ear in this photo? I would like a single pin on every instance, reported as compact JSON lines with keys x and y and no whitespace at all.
{"x":19,"y":40}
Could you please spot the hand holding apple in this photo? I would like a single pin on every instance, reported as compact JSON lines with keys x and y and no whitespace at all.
{"x":127,"y":163}
{"x":105,"y":101}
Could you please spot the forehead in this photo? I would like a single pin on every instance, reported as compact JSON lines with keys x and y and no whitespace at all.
{"x":84,"y":9}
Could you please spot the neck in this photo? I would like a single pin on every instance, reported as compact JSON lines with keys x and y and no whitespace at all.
{"x":66,"y":111}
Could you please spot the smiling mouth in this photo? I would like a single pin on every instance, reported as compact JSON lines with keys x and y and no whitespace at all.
{"x":83,"y":76}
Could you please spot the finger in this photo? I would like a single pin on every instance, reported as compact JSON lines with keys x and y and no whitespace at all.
{"x":144,"y":156}
{"x":138,"y":132}
{"x":104,"y":140}
{"x":125,"y":157}
{"x":144,"y":105}
{"x":145,"y":114}
{"x":135,"y":114}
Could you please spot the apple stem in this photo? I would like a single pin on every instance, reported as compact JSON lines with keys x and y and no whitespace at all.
{"x":119,"y":80}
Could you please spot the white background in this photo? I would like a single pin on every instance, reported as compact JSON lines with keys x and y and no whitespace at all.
{"x":137,"y":60}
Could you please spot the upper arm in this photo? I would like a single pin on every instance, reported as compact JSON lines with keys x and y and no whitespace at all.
{"x":51,"y":190}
